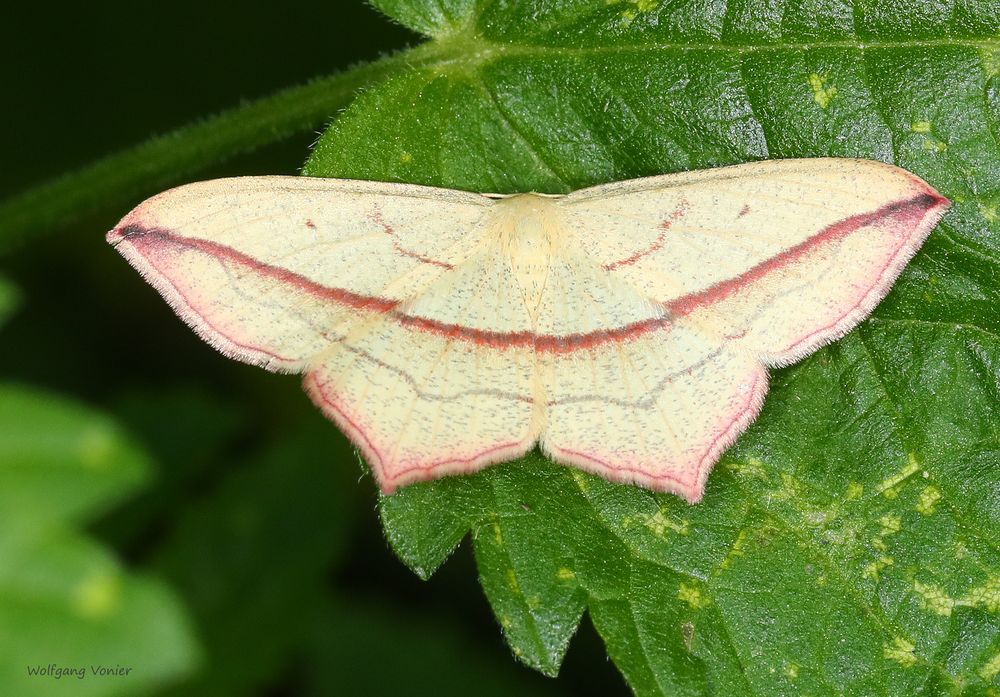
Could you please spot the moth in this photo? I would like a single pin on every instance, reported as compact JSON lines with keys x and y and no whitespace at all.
{"x":626,"y":329}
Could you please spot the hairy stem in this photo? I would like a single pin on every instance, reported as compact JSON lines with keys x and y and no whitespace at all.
{"x":127,"y":176}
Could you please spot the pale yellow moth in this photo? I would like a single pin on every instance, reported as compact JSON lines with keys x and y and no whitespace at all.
{"x":625,"y":328}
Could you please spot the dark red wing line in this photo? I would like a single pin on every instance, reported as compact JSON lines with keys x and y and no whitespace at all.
{"x":152,"y":238}
{"x":656,"y":245}
{"x":378,"y":220}
{"x":542,"y":343}
{"x":909,"y":210}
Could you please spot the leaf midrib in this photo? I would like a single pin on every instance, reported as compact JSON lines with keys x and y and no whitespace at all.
{"x":494,"y":49}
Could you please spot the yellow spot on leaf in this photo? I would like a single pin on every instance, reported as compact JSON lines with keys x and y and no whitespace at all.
{"x":991,"y":61}
{"x":497,"y":534}
{"x":934,"y":598}
{"x":925,"y":128}
{"x":792,"y":670}
{"x":990,"y":669}
{"x":640,"y":5}
{"x":97,"y":596}
{"x":581,"y":479}
{"x":406,"y":157}
{"x":901,"y":651}
{"x":873,"y":570}
{"x":512,"y":581}
{"x":928,"y":499}
{"x":735,"y":551}
{"x":822,"y":94}
{"x":565,"y":574}
{"x":890,"y":524}
{"x":505,"y":622}
{"x":987,"y":595}
{"x":634,"y":7}
{"x":854,"y":491}
{"x":692,"y":595}
{"x":989,"y":212}
{"x":889,"y":487}
{"x":751,"y":468}
{"x":659,"y":523}
{"x":790,"y":484}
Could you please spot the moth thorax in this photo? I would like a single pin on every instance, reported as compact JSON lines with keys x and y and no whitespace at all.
{"x":531,"y":240}
{"x":529,"y":235}
{"x":528,"y":228}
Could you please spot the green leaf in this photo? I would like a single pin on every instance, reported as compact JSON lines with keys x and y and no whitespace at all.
{"x":848,"y":543}
{"x":430,"y":18}
{"x":62,"y":465}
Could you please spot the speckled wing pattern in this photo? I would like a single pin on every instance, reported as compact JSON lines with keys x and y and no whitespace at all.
{"x":625,"y":328}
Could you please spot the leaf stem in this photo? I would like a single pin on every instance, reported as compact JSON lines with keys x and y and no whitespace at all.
{"x":127,"y":176}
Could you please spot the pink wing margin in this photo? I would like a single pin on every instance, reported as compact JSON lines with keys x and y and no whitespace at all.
{"x":277,"y":289}
{"x":312,"y":275}
{"x":266,"y":269}
{"x":769,"y":286}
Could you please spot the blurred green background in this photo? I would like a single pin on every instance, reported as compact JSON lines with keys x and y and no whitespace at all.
{"x":252,"y":512}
